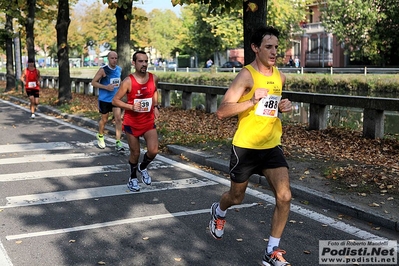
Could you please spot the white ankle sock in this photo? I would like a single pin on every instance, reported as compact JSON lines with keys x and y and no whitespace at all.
{"x":273,"y":242}
{"x":220,"y":213}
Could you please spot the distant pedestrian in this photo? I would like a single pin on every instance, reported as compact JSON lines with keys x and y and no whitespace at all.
{"x":297,"y":62}
{"x":291,"y":62}
{"x":141,"y":110}
{"x":209,"y":63}
{"x":31,"y":78}
{"x":107,"y":80}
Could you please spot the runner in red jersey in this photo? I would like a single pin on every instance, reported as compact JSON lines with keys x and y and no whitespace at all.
{"x":31,"y":78}
{"x":141,"y":110}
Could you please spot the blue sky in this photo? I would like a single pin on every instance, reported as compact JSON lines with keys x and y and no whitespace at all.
{"x":148,"y":5}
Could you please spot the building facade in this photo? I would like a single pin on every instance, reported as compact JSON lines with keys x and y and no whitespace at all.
{"x":314,"y":47}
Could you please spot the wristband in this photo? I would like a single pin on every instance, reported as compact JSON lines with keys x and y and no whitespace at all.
{"x":157,"y":106}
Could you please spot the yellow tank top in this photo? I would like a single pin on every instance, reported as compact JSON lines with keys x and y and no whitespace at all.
{"x":255,"y":131}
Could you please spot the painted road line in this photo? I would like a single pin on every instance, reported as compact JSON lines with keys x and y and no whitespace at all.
{"x":75,"y":171}
{"x":270,"y":199}
{"x":4,"y":259}
{"x":325,"y":220}
{"x":51,"y":157}
{"x":302,"y":211}
{"x":120,"y":222}
{"x":63,"y":172}
{"x":99,"y":192}
{"x":47,"y":146}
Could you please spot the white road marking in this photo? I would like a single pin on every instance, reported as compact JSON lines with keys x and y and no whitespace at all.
{"x":295,"y":208}
{"x":119,"y":222}
{"x":49,"y":146}
{"x":99,"y":192}
{"x":63,"y":172}
{"x":270,"y":199}
{"x":51,"y":157}
{"x":4,"y":259}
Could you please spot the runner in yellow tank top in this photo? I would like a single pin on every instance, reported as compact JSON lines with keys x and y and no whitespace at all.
{"x":260,"y":131}
{"x":255,"y":96}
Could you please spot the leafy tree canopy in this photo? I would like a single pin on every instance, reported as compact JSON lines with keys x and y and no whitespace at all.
{"x":164,"y":31}
{"x":214,"y":6}
{"x":369,"y":29}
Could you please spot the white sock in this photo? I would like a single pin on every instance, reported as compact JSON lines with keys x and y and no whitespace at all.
{"x":220,"y":213}
{"x":273,"y":242}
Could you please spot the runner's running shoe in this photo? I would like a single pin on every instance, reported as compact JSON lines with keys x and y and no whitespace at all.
{"x":275,"y":258}
{"x":216,"y":225}
{"x":145,"y":177}
{"x":133,"y":185}
{"x":119,"y":146}
{"x":100,"y":141}
{"x":32,"y":116}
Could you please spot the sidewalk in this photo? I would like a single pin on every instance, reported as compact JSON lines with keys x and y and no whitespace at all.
{"x":307,"y":182}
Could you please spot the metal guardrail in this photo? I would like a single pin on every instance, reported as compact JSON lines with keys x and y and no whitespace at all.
{"x":299,"y":70}
{"x":294,"y":70}
{"x":194,"y":70}
{"x":340,"y":70}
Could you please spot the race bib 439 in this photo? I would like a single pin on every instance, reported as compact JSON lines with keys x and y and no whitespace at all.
{"x":145,"y":104}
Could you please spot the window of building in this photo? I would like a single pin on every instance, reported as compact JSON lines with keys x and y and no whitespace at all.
{"x":311,"y":16}
{"x":314,"y":45}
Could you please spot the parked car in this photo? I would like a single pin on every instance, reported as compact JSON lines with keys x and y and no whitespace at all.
{"x":172,"y":65}
{"x":231,"y":64}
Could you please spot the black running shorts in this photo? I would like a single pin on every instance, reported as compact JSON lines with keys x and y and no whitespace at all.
{"x":34,"y":93}
{"x":105,"y":107}
{"x":246,"y":162}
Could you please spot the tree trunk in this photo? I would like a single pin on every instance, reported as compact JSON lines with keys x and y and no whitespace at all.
{"x":123,"y":20}
{"x":10,"y":58}
{"x":30,"y":37}
{"x":64,"y":82}
{"x":252,"y":20}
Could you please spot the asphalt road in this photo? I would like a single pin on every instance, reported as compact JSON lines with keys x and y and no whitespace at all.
{"x":63,"y":201}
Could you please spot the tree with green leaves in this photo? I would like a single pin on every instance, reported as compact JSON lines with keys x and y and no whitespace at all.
{"x":8,"y":34}
{"x":91,"y":32}
{"x":29,"y":24}
{"x":64,"y":82}
{"x":254,"y":15}
{"x":30,"y":12}
{"x":164,"y":31}
{"x":286,"y":15}
{"x":46,"y":36}
{"x":140,"y":28}
{"x":205,"y":34}
{"x":123,"y":16}
{"x":368,"y":29}
{"x":227,"y":29}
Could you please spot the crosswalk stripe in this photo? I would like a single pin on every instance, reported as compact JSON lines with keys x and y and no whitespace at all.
{"x":62,"y":172}
{"x":49,"y":146}
{"x":99,"y":192}
{"x":120,"y":222}
{"x":51,"y":157}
